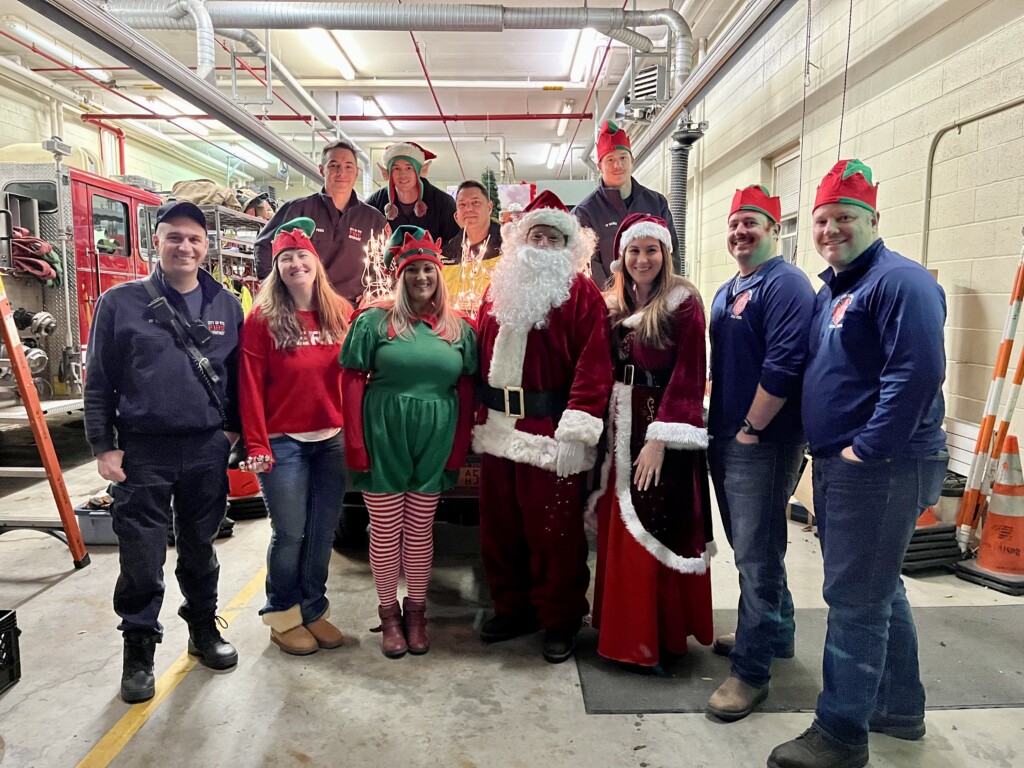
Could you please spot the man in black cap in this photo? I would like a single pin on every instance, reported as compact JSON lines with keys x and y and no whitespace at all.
{"x":161,"y":415}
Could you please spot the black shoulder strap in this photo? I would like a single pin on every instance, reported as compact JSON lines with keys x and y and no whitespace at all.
{"x":200,"y":363}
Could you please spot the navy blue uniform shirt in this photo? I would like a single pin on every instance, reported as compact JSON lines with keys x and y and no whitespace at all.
{"x":877,"y":362}
{"x":759,"y":329}
{"x":140,"y":379}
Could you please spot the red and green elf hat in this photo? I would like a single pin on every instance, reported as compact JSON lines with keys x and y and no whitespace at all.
{"x":408,"y":244}
{"x":611,"y":138}
{"x":294,"y":234}
{"x":757,"y":198}
{"x":848,"y":182}
{"x":420,"y":159}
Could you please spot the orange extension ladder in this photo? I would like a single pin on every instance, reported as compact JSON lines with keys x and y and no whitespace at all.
{"x":72,"y":536}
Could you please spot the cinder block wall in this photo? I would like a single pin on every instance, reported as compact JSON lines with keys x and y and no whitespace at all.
{"x":915,"y":67}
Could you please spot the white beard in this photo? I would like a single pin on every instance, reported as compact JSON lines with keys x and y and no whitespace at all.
{"x":529,"y":282}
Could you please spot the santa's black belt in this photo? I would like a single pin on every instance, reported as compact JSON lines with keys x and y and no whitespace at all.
{"x":519,"y":403}
{"x":632,"y":376}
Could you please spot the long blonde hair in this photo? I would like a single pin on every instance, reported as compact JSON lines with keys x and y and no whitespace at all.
{"x":655,"y":326}
{"x":277,"y":308}
{"x":449,"y":325}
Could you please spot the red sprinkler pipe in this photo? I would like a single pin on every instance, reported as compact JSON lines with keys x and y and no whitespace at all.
{"x":118,"y":134}
{"x":520,"y":116}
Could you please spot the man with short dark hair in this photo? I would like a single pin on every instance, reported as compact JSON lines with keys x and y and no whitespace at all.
{"x":479,"y":238}
{"x":161,"y":413}
{"x":344,"y":224}
{"x":409,"y":198}
{"x":617,"y":195}
{"x":873,"y":411}
{"x":473,"y":209}
{"x":759,"y":325}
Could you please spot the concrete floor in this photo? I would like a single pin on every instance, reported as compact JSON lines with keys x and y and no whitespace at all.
{"x":464,"y":705}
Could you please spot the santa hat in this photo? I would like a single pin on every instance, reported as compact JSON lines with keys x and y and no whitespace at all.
{"x":408,"y":244}
{"x":635,"y":226}
{"x":611,"y":138}
{"x":420,"y":159}
{"x":757,"y":198}
{"x":547,"y":209}
{"x":848,"y":182}
{"x":294,"y":234}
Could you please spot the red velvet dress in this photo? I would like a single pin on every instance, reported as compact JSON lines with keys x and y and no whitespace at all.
{"x":653,"y":586}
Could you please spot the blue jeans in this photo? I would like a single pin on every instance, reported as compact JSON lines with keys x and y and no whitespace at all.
{"x":304,"y":493}
{"x":866,"y":514}
{"x":753,"y":484}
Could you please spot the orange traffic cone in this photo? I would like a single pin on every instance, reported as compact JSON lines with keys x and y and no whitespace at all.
{"x":1000,"y":563}
{"x":927,"y":518}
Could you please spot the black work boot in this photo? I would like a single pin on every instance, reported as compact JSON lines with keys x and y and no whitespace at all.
{"x":559,"y":643}
{"x":137,"y":680}
{"x":814,"y":749}
{"x":205,"y":641}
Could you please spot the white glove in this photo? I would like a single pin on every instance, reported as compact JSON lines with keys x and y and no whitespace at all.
{"x":571,"y":454}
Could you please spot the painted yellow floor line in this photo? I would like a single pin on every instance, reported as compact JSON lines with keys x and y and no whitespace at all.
{"x":121,"y":733}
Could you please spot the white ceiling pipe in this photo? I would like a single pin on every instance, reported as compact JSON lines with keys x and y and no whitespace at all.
{"x":206,"y":61}
{"x":99,"y":28}
{"x":447,"y":18}
{"x":152,"y":14}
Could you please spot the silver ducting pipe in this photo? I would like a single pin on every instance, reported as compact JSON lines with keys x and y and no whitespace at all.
{"x":155,"y":14}
{"x":206,"y":62}
{"x":609,"y":112}
{"x":682,"y":140}
{"x":446,"y":18}
{"x":632,"y":39}
{"x":99,"y":28}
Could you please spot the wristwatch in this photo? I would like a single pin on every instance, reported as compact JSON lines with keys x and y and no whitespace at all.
{"x":749,"y":429}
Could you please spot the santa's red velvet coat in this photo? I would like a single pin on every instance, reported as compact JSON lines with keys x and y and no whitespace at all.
{"x":570,"y":353}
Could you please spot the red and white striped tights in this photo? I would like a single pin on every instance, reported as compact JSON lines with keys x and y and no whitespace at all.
{"x":401,"y":539}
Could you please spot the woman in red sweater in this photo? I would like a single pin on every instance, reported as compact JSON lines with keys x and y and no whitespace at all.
{"x":290,"y":399}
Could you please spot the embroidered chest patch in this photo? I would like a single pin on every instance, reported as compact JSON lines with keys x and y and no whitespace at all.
{"x":740,"y":303}
{"x":355,"y":234}
{"x":216,"y":327}
{"x":839,"y":310}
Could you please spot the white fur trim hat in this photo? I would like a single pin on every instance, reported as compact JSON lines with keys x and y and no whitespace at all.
{"x":635,"y":226}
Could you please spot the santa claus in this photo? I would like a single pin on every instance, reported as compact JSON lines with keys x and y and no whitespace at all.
{"x":546,"y":363}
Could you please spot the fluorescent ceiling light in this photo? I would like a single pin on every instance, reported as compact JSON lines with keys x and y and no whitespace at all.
{"x":564,"y":122}
{"x":553,"y":153}
{"x":55,"y":49}
{"x":250,"y":157}
{"x":326,"y":46}
{"x":372,"y":108}
{"x":168,"y":104}
{"x":581,"y":62}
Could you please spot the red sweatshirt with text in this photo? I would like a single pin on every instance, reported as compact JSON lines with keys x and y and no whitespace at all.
{"x":287,"y":390}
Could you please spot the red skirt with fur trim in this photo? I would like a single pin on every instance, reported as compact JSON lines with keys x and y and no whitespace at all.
{"x":641,"y":607}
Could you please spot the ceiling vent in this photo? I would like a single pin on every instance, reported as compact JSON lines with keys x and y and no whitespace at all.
{"x":650,"y":85}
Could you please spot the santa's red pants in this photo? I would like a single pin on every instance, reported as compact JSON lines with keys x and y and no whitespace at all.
{"x":532,"y":542}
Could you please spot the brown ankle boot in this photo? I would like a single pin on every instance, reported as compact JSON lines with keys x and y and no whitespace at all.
{"x":393,"y":643}
{"x":415,"y":621}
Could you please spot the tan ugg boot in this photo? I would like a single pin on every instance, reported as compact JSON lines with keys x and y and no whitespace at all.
{"x":287,"y":632}
{"x":327,"y":635}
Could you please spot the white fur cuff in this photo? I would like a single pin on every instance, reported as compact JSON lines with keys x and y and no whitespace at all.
{"x":678,"y":436}
{"x":582,"y":427}
{"x":282,"y":621}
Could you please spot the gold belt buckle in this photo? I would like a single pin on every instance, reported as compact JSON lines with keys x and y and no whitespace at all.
{"x":519,"y":412}
{"x":627,"y":375}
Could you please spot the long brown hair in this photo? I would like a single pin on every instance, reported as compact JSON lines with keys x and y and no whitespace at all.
{"x":278,"y":310}
{"x":655,"y":326}
{"x":449,"y":326}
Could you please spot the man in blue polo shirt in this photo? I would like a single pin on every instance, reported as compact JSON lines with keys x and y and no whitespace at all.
{"x":759,"y":324}
{"x":873,"y":410}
